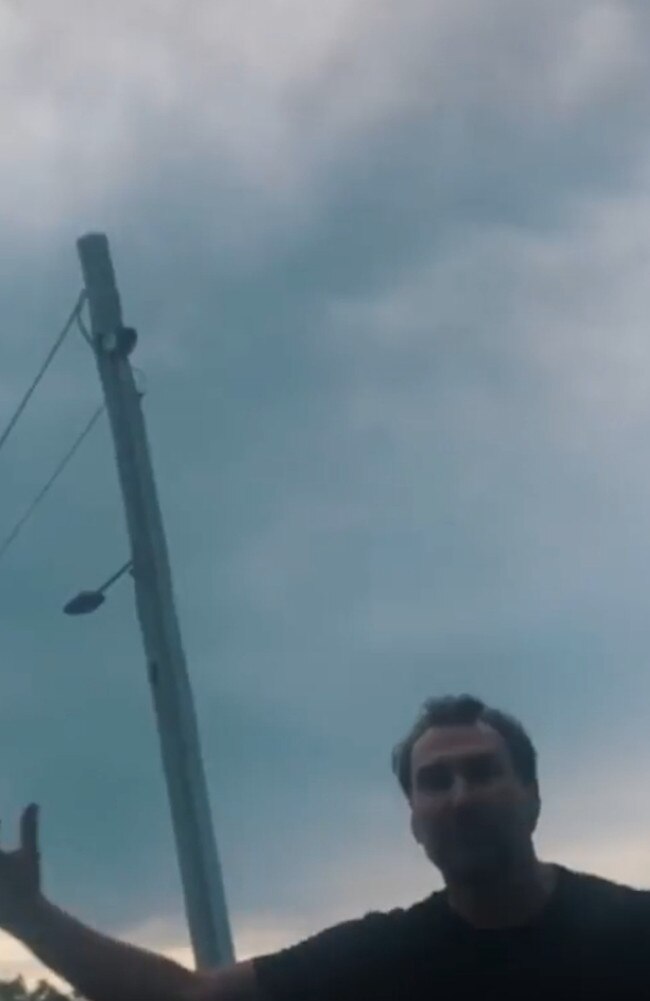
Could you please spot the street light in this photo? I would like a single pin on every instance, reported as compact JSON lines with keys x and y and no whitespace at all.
{"x":89,"y":601}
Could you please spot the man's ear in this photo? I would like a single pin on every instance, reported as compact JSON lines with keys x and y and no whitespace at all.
{"x":538,"y":810}
{"x":535,"y":806}
{"x":415,"y":830}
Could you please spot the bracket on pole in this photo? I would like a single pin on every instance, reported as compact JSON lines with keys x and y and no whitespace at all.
{"x":118,"y":342}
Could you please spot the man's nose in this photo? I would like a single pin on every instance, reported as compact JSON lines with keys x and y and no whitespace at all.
{"x":461,"y":791}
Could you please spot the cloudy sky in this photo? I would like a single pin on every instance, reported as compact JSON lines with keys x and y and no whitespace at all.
{"x":389,"y":265}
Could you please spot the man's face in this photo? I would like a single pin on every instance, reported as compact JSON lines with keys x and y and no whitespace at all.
{"x":469,"y":810}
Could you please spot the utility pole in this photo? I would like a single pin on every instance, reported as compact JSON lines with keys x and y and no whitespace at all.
{"x":204,"y":895}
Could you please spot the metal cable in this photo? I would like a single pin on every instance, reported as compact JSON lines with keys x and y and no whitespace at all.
{"x":46,"y":364}
{"x":55,"y":475}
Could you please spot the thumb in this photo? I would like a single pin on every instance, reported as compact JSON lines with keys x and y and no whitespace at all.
{"x":29,"y":830}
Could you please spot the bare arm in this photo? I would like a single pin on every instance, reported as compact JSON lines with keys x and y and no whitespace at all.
{"x":101,"y":968}
{"x":104,"y":969}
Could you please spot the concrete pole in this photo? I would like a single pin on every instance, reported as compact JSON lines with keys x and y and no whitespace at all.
{"x":205,"y":902}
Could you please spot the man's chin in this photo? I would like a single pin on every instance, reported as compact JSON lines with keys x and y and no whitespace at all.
{"x":475,"y":871}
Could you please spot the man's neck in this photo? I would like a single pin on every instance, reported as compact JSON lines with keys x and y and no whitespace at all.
{"x":511,"y":900}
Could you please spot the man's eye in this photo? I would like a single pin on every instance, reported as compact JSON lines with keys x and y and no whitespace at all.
{"x":438,"y":780}
{"x":481,"y":771}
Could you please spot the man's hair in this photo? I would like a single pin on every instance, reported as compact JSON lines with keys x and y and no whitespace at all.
{"x":462,"y":710}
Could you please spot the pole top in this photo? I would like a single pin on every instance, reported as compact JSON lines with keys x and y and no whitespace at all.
{"x":99,"y":282}
{"x":93,"y":249}
{"x":92,"y":237}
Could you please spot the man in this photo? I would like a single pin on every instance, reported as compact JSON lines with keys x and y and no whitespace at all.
{"x":505,"y":925}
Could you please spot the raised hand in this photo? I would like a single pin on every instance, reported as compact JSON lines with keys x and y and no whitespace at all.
{"x":20,"y":874}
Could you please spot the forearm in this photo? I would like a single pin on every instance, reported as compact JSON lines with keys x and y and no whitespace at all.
{"x":100,"y":968}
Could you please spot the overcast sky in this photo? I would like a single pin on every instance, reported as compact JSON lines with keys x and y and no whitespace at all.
{"x":389,"y":267}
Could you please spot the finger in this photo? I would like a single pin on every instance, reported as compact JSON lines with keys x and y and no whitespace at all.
{"x":29,"y":829}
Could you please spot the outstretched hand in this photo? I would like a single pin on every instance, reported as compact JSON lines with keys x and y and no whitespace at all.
{"x":20,"y":874}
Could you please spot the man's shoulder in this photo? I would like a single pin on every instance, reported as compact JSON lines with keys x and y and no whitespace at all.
{"x":388,"y":919}
{"x":601,"y":895}
{"x":331,"y":962}
{"x":375,"y":932}
{"x":424,"y":913}
{"x":390,"y":922}
{"x":592,"y":883}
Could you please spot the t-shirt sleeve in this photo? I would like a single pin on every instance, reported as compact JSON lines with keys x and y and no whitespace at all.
{"x":642,"y":912}
{"x":338,"y":963}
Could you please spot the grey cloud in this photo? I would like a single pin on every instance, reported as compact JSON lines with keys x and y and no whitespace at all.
{"x":357,"y":416}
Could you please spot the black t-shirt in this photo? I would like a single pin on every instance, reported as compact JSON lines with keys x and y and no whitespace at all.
{"x":593,"y":937}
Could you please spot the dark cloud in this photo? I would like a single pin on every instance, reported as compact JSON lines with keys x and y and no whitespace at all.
{"x":379,"y":472}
